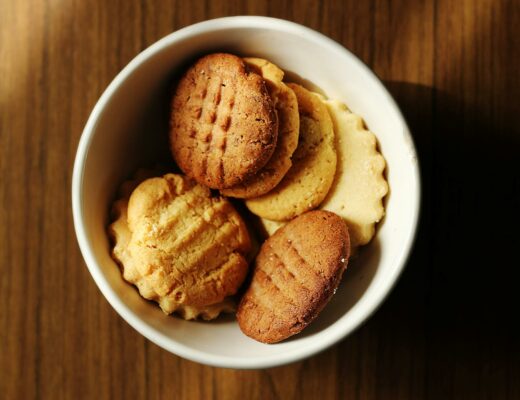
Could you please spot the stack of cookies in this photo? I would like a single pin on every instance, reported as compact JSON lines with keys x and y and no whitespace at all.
{"x":304,"y":165}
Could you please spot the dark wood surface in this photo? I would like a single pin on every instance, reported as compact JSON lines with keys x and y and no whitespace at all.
{"x":449,"y":330}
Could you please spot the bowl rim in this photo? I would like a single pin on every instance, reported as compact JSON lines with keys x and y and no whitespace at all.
{"x":342,"y":328}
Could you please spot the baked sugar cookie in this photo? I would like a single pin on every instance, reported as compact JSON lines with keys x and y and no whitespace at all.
{"x":309,"y":179}
{"x":359,"y":186}
{"x":180,"y":246}
{"x":269,"y":227}
{"x":223,"y":126}
{"x":296,"y":273}
{"x":286,"y":106}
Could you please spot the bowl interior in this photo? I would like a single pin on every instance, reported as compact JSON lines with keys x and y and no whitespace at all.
{"x":128,"y":130}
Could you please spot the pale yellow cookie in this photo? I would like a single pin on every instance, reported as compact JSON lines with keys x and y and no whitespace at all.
{"x":269,"y":227}
{"x":359,"y":186}
{"x":180,"y":246}
{"x":286,"y":106}
{"x":308,"y":181}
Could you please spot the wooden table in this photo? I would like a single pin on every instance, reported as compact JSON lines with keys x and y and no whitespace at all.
{"x":450,"y":328}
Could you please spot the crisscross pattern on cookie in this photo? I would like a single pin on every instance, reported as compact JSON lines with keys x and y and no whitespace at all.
{"x":223,"y":124}
{"x":179,"y":245}
{"x":296,"y":273}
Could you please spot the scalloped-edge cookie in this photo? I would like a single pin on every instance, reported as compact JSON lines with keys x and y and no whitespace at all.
{"x":359,"y":185}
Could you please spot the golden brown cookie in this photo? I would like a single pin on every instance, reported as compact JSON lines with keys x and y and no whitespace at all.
{"x":309,"y":179}
{"x":223,"y":126}
{"x":296,"y":273}
{"x":288,"y":130}
{"x":180,"y":246}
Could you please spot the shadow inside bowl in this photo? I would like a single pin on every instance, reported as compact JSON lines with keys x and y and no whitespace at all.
{"x":291,"y":76}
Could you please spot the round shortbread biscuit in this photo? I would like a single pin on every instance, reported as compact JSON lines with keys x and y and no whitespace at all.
{"x":359,"y":186}
{"x":309,"y":179}
{"x":286,"y":106}
{"x":223,"y":126}
{"x":180,"y":246}
{"x":296,"y":273}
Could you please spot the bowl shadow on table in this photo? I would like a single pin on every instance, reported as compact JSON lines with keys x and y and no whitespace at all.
{"x":454,"y":308}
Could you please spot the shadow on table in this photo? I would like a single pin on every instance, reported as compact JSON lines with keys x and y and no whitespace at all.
{"x":451,"y":323}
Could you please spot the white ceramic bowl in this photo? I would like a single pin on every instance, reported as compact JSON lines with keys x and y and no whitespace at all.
{"x":127,"y":130}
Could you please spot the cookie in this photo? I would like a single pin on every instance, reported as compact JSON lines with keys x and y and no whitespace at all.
{"x":268,"y":227}
{"x":309,"y":179}
{"x":359,"y":186}
{"x":180,"y":246}
{"x":286,"y":106}
{"x":297,"y":271}
{"x":223,"y":126}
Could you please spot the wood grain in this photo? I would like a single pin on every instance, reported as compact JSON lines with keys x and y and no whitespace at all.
{"x":449,"y":329}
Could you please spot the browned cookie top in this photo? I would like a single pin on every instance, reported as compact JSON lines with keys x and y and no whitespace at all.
{"x":223,"y":125}
{"x":181,"y":246}
{"x":296,"y":272}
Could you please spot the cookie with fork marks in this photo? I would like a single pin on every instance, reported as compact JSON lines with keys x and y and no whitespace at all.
{"x":223,"y":126}
{"x":297,"y":271}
